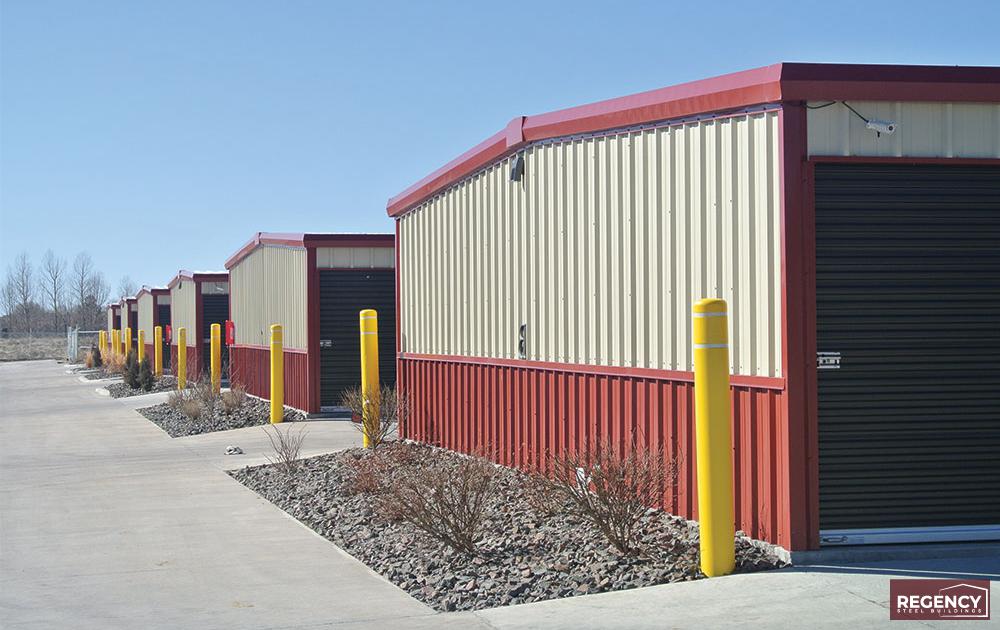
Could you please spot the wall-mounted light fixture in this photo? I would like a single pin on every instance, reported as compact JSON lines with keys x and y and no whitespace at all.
{"x":517,"y":168}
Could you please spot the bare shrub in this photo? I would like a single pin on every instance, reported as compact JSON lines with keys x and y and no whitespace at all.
{"x":114,"y":364}
{"x":191,"y":407}
{"x":368,"y":474}
{"x":380,"y":412}
{"x":205,"y":393}
{"x":88,"y":359}
{"x":287,"y":445}
{"x":448,"y":501}
{"x":233,"y":399}
{"x":177,"y":398}
{"x":612,"y":489}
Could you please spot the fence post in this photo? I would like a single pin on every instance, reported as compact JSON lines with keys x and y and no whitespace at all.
{"x":216,"y":348}
{"x":368,"y":319}
{"x":277,"y":374}
{"x":182,"y":367}
{"x":714,"y":438}
{"x":158,"y":351}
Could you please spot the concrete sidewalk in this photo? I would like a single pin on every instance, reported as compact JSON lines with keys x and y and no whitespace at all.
{"x":107,"y":522}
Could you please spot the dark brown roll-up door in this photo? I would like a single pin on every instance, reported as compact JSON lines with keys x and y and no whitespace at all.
{"x":908,"y":292}
{"x":215,"y":310}
{"x":343,"y":295}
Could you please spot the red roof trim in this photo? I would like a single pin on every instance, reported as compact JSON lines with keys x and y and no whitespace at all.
{"x":184,"y":274}
{"x":310,"y":239}
{"x":770,"y":84}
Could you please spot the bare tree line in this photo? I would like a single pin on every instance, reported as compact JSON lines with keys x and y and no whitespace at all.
{"x":55,"y":294}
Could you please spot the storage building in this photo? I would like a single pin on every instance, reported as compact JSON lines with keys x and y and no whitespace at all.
{"x":154,"y":310}
{"x":314,"y":285}
{"x":129,"y":314}
{"x":849,"y":215}
{"x":198,"y":299}
{"x":114,"y":319}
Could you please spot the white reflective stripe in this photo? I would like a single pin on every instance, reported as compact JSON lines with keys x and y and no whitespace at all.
{"x":713,"y":314}
{"x":369,"y":317}
{"x":700,"y":346}
{"x":369,"y":333}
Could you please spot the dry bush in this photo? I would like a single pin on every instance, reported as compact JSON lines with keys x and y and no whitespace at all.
{"x":114,"y":364}
{"x":88,"y":359}
{"x":380,"y":411}
{"x":233,"y":399}
{"x":447,"y":501}
{"x":368,"y":474}
{"x":177,"y":398}
{"x":191,"y":407}
{"x":613,"y":490}
{"x":205,"y":393}
{"x":287,"y":445}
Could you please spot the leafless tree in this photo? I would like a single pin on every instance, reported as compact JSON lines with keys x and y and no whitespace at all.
{"x":126,"y":287}
{"x":8,"y":299}
{"x":53,"y":285}
{"x":83,"y":270}
{"x":22,"y":277}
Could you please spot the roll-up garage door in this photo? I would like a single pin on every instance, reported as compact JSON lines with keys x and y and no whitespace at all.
{"x":344,"y":294}
{"x":908,"y":294}
{"x":215,"y":310}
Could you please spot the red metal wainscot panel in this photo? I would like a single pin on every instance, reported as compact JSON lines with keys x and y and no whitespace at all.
{"x":148,"y":350}
{"x":193,"y":364}
{"x":251,"y":366}
{"x":522,"y":410}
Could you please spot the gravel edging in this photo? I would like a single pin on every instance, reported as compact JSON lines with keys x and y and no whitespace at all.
{"x":122,"y":389}
{"x":526,"y":556}
{"x":253,"y":412}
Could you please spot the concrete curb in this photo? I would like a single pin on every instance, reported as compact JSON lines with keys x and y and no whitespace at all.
{"x":102,"y":391}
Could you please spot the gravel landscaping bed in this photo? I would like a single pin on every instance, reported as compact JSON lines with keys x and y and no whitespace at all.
{"x":252,"y":413}
{"x":122,"y":390}
{"x":525,"y":556}
{"x":98,"y":375}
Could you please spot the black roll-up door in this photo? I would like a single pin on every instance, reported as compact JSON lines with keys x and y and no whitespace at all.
{"x":163,"y":320}
{"x":908,"y":291}
{"x":215,"y":310}
{"x":343,"y":295}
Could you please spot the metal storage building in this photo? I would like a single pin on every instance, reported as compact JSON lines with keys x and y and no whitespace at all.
{"x":314,"y":285}
{"x":849,"y":212}
{"x":198,"y":299}
{"x":114,"y":318}
{"x":129,"y":315}
{"x":154,"y":310}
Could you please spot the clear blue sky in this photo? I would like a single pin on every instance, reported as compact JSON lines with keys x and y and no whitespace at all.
{"x":124,"y":123}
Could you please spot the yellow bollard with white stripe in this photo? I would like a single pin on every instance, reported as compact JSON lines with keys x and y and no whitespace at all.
{"x":714,"y":437}
{"x":141,"y":344}
{"x":368,"y":319}
{"x":128,"y":341}
{"x":182,"y":353}
{"x":158,"y":351}
{"x":216,"y":347}
{"x":277,"y":374}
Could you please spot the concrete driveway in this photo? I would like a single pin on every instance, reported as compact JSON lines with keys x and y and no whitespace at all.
{"x":107,"y":522}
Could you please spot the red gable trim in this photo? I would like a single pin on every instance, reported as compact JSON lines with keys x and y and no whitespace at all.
{"x":183,"y":274}
{"x":770,"y":84}
{"x":312,"y":239}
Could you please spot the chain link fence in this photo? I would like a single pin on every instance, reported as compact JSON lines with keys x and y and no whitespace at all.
{"x":71,"y":345}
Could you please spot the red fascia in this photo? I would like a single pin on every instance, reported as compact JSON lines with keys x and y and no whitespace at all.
{"x":309,"y":240}
{"x":183,"y":274}
{"x":770,"y":84}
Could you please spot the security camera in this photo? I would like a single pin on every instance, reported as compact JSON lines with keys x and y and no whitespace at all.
{"x":881,"y":126}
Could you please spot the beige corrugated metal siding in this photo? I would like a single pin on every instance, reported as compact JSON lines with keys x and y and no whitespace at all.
{"x":145,"y":304}
{"x":111,"y":320}
{"x":966,"y":130}
{"x":355,"y":257}
{"x":182,"y":314}
{"x":602,"y":248}
{"x":269,"y":287}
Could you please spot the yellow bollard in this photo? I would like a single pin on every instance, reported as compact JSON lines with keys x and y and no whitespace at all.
{"x":100,"y":342}
{"x":128,"y":341}
{"x":714,"y":437}
{"x":216,"y":347}
{"x":182,"y":353}
{"x":141,"y":344}
{"x":158,"y":351}
{"x":277,"y":374}
{"x":114,"y":341}
{"x":368,"y":319}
